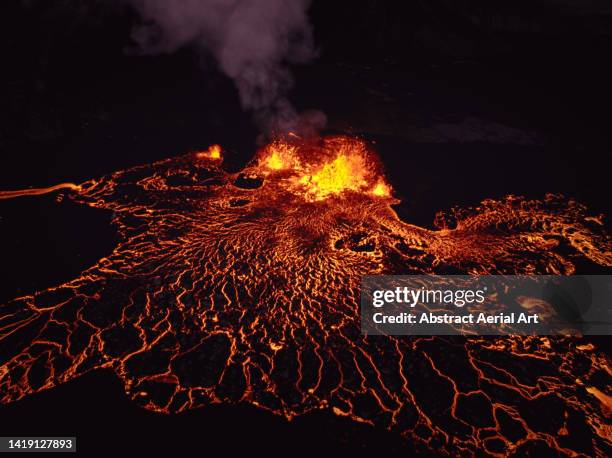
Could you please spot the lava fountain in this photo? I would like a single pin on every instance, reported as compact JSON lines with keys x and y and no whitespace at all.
{"x":244,"y":287}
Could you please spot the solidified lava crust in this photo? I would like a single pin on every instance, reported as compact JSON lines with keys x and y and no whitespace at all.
{"x":244,"y":287}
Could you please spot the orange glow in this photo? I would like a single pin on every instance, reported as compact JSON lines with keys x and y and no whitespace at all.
{"x":213,"y":152}
{"x":279,"y":155}
{"x":243,"y":286}
{"x":320,"y":169}
{"x":345,"y":172}
{"x":382,"y":189}
{"x":37,"y":191}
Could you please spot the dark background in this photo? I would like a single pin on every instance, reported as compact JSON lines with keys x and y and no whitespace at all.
{"x":464,"y":99}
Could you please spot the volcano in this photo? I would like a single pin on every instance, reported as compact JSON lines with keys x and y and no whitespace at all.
{"x":243,"y":287}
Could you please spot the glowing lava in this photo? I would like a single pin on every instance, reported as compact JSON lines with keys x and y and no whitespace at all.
{"x":331,"y":166}
{"x":213,"y":152}
{"x":244,"y":287}
{"x":37,"y":191}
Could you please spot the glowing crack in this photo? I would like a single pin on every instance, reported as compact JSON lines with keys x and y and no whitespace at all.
{"x":244,"y":287}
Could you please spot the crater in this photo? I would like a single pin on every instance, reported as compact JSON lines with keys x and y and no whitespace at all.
{"x":245,"y":181}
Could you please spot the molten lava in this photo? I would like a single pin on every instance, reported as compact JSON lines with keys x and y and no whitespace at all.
{"x":36,"y":191}
{"x":244,"y":287}
{"x":213,"y":152}
{"x":317,"y":170}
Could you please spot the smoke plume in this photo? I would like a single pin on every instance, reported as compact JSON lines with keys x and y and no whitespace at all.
{"x":253,"y":42}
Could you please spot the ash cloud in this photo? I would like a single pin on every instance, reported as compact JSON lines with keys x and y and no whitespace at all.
{"x":253,"y":42}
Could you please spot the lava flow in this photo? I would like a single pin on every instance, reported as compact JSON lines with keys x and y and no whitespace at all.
{"x":244,"y":287}
{"x":36,"y":191}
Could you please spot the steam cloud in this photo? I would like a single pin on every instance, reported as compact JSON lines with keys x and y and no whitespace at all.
{"x":253,"y":41}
